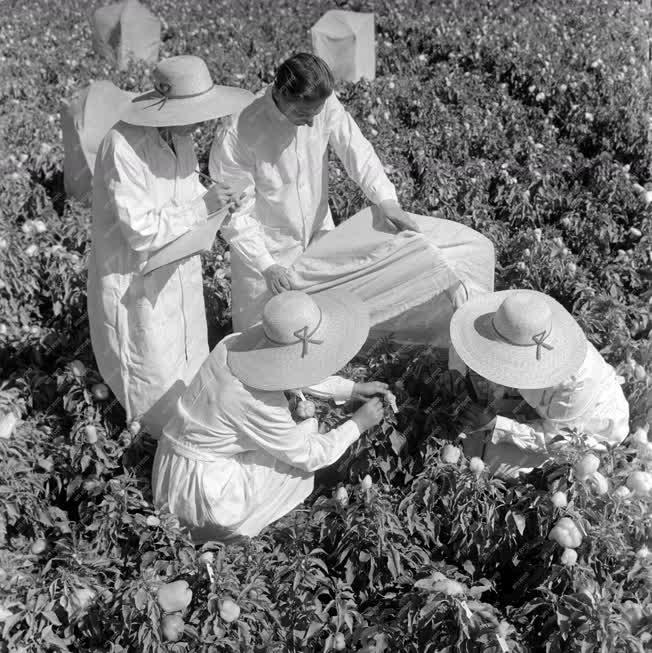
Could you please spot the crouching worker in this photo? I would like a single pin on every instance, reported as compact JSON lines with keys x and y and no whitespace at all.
{"x":231,"y":459}
{"x":525,"y":340}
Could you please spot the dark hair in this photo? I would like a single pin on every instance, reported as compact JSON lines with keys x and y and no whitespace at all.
{"x":304,"y":77}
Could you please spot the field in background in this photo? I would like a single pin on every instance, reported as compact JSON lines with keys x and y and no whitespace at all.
{"x":525,"y":120}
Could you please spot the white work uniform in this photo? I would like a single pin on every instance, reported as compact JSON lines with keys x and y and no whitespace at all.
{"x":287,"y":166}
{"x":590,"y":402}
{"x":149,"y":332}
{"x":232,"y":460}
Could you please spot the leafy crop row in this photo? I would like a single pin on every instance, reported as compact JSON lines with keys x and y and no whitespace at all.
{"x":526,"y":121}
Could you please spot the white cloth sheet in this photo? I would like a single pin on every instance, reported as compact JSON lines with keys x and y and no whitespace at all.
{"x":410,"y":282}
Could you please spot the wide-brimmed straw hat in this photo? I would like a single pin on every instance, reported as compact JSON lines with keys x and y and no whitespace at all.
{"x":518,"y":338}
{"x":184,"y":93}
{"x":300,"y":341}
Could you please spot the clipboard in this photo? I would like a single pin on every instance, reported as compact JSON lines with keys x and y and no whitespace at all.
{"x":192,"y":242}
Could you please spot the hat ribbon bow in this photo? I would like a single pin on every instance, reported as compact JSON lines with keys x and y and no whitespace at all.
{"x":163,"y":89}
{"x":539,"y":341}
{"x":303,"y":337}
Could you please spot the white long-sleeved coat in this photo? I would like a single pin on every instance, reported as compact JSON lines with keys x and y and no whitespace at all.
{"x":232,"y":460}
{"x":287,"y":166}
{"x":591,"y":401}
{"x":149,"y":333}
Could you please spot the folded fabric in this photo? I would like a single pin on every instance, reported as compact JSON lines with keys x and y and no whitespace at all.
{"x":411,"y":282}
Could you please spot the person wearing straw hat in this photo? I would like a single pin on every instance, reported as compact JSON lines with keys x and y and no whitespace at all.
{"x":526,"y":340}
{"x":149,"y":332}
{"x":232,"y":460}
{"x":277,"y":148}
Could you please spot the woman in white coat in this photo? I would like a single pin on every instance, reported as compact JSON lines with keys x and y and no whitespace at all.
{"x":278,"y":147}
{"x":525,"y":340}
{"x":232,"y":460}
{"x":149,"y":332}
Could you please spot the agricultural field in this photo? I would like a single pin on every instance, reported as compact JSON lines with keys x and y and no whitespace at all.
{"x":525,"y":120}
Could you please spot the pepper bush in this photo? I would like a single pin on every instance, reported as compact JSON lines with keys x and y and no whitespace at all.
{"x":526,"y":121}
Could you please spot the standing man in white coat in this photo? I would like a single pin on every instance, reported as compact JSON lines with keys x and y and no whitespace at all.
{"x":276,"y":149}
{"x":149,"y":332}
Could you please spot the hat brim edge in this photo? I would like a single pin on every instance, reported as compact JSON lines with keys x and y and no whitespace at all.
{"x":220,"y":101}
{"x":509,"y":366}
{"x":263,"y":369}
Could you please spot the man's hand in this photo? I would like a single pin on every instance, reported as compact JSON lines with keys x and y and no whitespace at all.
{"x":277,"y":279}
{"x":369,"y":389}
{"x":475,"y":418}
{"x":396,"y":218}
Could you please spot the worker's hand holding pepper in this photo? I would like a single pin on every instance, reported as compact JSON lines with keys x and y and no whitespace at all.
{"x":370,"y":414}
{"x":369,"y":389}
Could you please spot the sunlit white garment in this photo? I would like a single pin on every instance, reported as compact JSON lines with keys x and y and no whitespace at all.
{"x":411,"y":282}
{"x":591,"y":401}
{"x":232,"y":460}
{"x":148,"y":333}
{"x":288,"y":168}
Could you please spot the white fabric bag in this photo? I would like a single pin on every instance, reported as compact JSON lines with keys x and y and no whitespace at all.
{"x":126,"y":30}
{"x":345,"y":40}
{"x":86,"y":118}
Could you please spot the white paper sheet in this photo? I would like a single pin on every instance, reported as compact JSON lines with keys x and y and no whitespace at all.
{"x":191,"y":243}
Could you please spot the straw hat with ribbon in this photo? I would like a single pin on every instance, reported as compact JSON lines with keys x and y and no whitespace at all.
{"x":184,"y":93}
{"x":518,"y":338}
{"x":300,"y":341}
